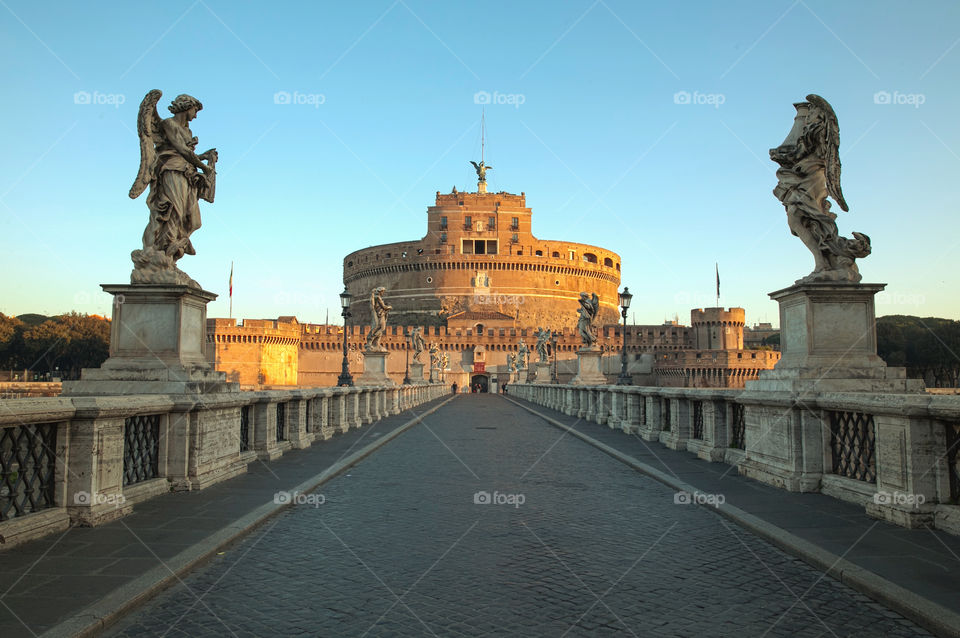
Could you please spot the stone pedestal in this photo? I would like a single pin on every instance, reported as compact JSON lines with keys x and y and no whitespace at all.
{"x":416,"y":373}
{"x":541,"y":373}
{"x":374,"y":369}
{"x":158,"y":345}
{"x":588,"y":368}
{"x":828,"y":338}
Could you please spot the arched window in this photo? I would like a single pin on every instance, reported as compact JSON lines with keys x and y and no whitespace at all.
{"x":608,"y":262}
{"x":590,"y":258}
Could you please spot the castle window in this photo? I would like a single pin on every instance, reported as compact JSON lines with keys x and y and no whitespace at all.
{"x":491,"y":223}
{"x":608,"y":262}
{"x":590,"y":258}
{"x":515,"y":223}
{"x":349,"y":264}
{"x":467,"y":222}
{"x":514,"y":238}
{"x":388,"y":255}
{"x":443,"y":238}
{"x":443,"y":223}
{"x":555,"y":254}
{"x":539,"y":253}
{"x":618,"y":266}
{"x":466,"y":246}
{"x":519,"y":253}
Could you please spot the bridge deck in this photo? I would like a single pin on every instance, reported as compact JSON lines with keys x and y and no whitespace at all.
{"x":574,"y":543}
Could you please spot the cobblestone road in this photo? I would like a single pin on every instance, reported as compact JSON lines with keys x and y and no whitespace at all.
{"x":574,"y":544}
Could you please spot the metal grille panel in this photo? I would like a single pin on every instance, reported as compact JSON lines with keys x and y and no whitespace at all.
{"x":953,"y":459}
{"x":697,"y":429}
{"x":665,"y":426}
{"x":852,"y":440}
{"x":28,"y":465}
{"x":141,"y":448}
{"x":245,"y":428}
{"x":281,"y":422}
{"x":308,"y":426}
{"x":739,"y":429}
{"x":643,"y":410}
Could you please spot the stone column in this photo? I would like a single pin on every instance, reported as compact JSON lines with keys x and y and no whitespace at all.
{"x":589,"y":371}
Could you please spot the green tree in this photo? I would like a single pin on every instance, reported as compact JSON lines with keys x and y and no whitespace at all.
{"x":928,"y":347}
{"x":69,"y":342}
{"x":11,"y":342}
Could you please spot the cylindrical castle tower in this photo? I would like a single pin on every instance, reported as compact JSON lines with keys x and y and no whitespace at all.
{"x":718,"y":329}
{"x":480,"y":256}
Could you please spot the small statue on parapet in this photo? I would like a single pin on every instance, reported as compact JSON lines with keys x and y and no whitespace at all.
{"x":588,"y":311}
{"x":809,"y":171}
{"x":434,"y":356}
{"x":417,"y":343}
{"x":522,"y":352}
{"x":378,"y":319}
{"x":511,"y":362}
{"x":543,"y":336}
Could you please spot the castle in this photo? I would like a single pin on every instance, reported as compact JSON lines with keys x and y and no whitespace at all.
{"x":478,"y":283}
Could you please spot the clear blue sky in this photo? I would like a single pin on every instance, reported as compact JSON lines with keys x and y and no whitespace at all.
{"x":599,"y":144}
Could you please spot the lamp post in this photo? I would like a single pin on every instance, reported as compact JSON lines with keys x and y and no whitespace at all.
{"x":345,"y":377}
{"x":406,"y":374}
{"x":624,"y":378}
{"x":554,"y":338}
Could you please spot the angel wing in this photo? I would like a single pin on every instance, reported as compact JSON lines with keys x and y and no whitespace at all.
{"x":830,"y":149}
{"x":148,"y":128}
{"x":475,"y":165}
{"x":595,"y":304}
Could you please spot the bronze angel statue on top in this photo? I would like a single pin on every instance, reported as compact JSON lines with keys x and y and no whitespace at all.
{"x":809,"y":171}
{"x":481,"y":169}
{"x":178,"y":178}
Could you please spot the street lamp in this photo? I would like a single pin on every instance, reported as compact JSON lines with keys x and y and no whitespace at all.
{"x":345,"y":377}
{"x":554,"y":338}
{"x":406,"y":374}
{"x":624,"y":379}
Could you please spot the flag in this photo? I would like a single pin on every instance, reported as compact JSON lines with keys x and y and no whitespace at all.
{"x":231,"y":279}
{"x":718,"y":281}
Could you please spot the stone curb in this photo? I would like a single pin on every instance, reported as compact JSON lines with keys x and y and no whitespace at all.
{"x":108,"y":610}
{"x":931,"y":616}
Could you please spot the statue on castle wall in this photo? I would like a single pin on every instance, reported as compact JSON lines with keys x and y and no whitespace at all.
{"x":543,"y":335}
{"x":588,"y":311}
{"x":522,"y":352}
{"x":178,"y":178}
{"x":417,"y":343}
{"x":378,"y":319}
{"x":809,"y":171}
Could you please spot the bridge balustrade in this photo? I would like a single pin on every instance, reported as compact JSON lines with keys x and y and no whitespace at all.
{"x":898,"y":456}
{"x":90,"y":460}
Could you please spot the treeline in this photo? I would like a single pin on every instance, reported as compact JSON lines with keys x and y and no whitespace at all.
{"x":928,"y":347}
{"x":61,"y":345}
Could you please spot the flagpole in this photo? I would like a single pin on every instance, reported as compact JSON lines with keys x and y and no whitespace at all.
{"x":717,"y":264}
{"x":231,"y":289}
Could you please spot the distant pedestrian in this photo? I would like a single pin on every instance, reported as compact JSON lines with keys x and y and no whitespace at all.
{"x":504,"y":388}
{"x":454,"y":387}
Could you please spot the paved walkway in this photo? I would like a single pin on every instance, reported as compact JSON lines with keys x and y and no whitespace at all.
{"x":574,"y":543}
{"x":50,"y":581}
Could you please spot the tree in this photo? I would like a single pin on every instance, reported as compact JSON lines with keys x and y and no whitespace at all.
{"x":11,"y":342}
{"x":69,"y":342}
{"x":928,"y":347}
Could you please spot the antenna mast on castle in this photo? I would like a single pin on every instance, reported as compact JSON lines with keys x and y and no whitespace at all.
{"x":482,"y":167}
{"x":483,"y":129}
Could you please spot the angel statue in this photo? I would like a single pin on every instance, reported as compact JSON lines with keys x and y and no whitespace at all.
{"x":810,"y":171}
{"x":178,"y":178}
{"x":434,"y":356}
{"x":511,"y":362}
{"x":522,"y":352}
{"x":378,"y":319}
{"x":416,"y":341}
{"x":589,"y":308}
{"x":542,"y":335}
{"x":481,"y":170}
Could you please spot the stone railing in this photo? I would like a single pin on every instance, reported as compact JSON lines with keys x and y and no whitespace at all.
{"x":898,"y":455}
{"x":89,"y":460}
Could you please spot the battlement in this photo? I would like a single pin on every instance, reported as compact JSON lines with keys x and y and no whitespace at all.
{"x":731,"y":315}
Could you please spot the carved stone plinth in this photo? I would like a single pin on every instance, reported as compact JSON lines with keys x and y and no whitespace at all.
{"x":829,"y":342}
{"x":158,"y":345}
{"x":541,"y":373}
{"x":828,"y":337}
{"x":416,"y":373}
{"x":374,"y":369}
{"x":588,"y":368}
